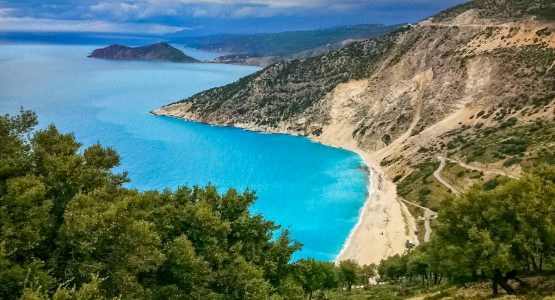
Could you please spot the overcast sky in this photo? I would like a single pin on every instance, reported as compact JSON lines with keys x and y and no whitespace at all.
{"x":207,"y":16}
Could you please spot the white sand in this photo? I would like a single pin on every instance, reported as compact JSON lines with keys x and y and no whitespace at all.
{"x":385,"y":223}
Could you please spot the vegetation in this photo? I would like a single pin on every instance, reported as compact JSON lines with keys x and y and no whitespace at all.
{"x":461,"y":178}
{"x":69,"y":229}
{"x":421,"y":187}
{"x":283,"y":43}
{"x":544,"y":9}
{"x":159,"y":52}
{"x":496,"y":231}
{"x":526,"y":144}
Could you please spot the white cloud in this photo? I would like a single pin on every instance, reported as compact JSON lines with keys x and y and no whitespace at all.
{"x":6,"y":11}
{"x":147,"y":15}
{"x":37,"y":24}
{"x":143,"y":9}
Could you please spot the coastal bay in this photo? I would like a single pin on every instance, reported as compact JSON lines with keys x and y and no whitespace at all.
{"x":314,"y":191}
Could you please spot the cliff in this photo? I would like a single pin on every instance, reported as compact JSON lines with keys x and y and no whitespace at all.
{"x":154,"y":52}
{"x":400,"y":84}
{"x":475,"y":84}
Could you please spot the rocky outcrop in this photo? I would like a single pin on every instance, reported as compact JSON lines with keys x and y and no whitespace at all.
{"x":155,"y":52}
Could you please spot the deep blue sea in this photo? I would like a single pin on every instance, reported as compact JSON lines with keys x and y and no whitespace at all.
{"x":313,"y":190}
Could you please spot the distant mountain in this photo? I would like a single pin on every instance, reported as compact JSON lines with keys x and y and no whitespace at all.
{"x":264,"y":61}
{"x":154,"y":52}
{"x":283,"y":43}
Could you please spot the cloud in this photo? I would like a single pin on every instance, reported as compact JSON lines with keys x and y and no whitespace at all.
{"x":5,"y":11}
{"x":144,"y":9}
{"x":50,"y":25}
{"x":161,"y":15}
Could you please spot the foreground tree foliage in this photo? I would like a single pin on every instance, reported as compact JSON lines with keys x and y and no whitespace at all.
{"x":495,"y":232}
{"x":69,"y":229}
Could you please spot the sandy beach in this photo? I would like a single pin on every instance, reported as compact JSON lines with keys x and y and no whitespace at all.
{"x":384,"y":223}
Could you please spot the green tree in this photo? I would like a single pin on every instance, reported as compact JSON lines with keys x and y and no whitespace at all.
{"x":494,"y":233}
{"x":394,"y":268}
{"x":315,"y":275}
{"x":367,"y":273}
{"x":243,"y":280}
{"x":189,"y":274}
{"x":69,"y":229}
{"x":349,"y":273}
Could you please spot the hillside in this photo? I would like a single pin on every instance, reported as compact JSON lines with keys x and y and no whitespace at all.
{"x":154,"y":52}
{"x":474,"y":84}
{"x":282,"y":43}
{"x":264,"y":61}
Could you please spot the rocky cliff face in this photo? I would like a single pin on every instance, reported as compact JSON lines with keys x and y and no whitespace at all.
{"x":402,"y":92}
{"x":287,"y":96}
{"x":433,"y":108}
{"x":155,"y":52}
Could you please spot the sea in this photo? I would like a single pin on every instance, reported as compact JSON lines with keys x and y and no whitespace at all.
{"x":314,"y":191}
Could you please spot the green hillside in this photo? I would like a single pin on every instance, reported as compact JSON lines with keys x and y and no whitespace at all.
{"x":283,"y":43}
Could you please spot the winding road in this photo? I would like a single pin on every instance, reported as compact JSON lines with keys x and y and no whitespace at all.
{"x":442,"y":160}
{"x":428,"y":215}
{"x":490,"y":171}
{"x":437,"y":175}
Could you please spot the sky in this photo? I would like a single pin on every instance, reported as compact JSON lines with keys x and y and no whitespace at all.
{"x":199,"y":17}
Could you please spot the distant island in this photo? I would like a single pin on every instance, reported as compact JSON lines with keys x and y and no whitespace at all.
{"x":155,"y":52}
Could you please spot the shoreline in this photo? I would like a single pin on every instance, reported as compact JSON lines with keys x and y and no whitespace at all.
{"x":360,"y":217}
{"x":384,"y":223}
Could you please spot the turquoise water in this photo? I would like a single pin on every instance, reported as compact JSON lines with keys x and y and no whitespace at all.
{"x":314,"y":190}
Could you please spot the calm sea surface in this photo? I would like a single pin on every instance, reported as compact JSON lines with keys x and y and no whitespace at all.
{"x":314,"y":190}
